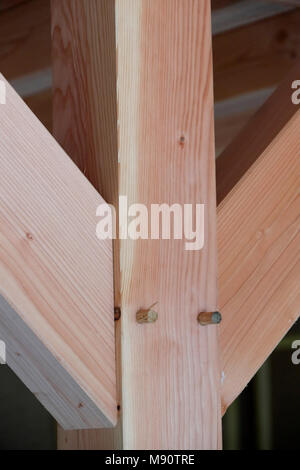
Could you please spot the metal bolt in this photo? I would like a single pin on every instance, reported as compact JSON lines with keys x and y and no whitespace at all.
{"x":147,"y":316}
{"x":209,"y":318}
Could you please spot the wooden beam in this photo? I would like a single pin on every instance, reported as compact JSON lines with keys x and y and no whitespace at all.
{"x":170,"y":371}
{"x":56,"y":277}
{"x":232,"y":115}
{"x":40,"y":103}
{"x":259,"y":239}
{"x":263,"y":52}
{"x":245,"y":12}
{"x":289,"y":2}
{"x":6,"y":4}
{"x":85,"y":124}
{"x":166,"y":154}
{"x":238,"y":157}
{"x":223,"y":174}
{"x":25,"y":45}
{"x":29,"y":85}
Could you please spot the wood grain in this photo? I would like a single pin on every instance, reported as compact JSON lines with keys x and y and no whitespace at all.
{"x":246,"y":12}
{"x":85,"y":124}
{"x":41,"y":105}
{"x":56,"y":277}
{"x":259,"y":242}
{"x":233,"y":117}
{"x":170,"y":369}
{"x":83,"y":80}
{"x":268,"y":120}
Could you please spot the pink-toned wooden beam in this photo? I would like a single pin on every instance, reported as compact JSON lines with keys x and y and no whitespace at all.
{"x":56,"y":277}
{"x":170,"y":369}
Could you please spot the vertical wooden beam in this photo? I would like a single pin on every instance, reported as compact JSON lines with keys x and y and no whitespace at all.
{"x":259,"y":238}
{"x":170,"y":369}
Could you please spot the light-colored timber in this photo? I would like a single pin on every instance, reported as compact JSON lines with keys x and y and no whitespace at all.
{"x":259,"y":239}
{"x":166,"y":154}
{"x":6,"y":4}
{"x":56,"y":277}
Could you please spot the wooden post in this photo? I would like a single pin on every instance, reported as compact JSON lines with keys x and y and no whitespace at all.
{"x":56,"y":277}
{"x":170,"y":368}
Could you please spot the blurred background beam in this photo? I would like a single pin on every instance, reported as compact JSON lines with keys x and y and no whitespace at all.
{"x":259,"y":244}
{"x":244,"y":12}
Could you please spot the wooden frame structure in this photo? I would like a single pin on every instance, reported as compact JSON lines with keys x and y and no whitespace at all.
{"x":133,"y":108}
